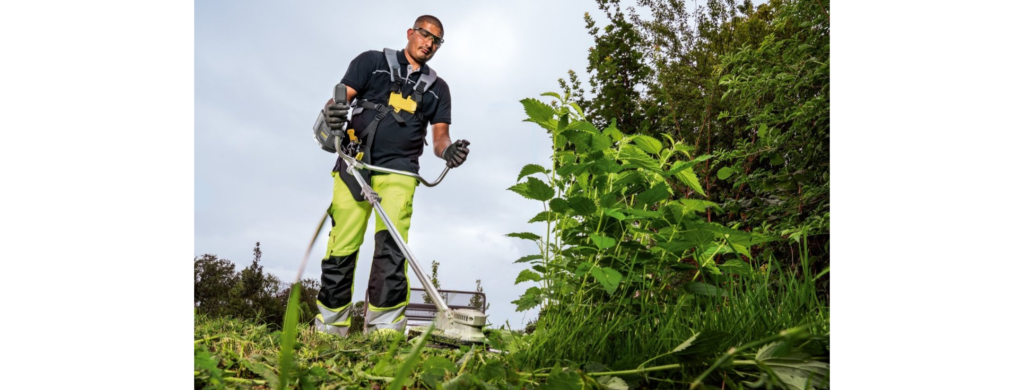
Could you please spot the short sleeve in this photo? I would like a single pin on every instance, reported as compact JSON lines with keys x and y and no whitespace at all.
{"x":444,"y":104}
{"x":359,"y":71}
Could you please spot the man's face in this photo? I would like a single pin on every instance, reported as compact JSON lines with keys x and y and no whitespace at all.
{"x":420,"y":47}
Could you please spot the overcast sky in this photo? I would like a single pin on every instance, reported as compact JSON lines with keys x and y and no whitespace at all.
{"x":264,"y":69}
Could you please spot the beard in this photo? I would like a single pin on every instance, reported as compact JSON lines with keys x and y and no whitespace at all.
{"x":420,"y":57}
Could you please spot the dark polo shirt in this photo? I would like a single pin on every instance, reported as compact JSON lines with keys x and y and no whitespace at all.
{"x":395,"y":146}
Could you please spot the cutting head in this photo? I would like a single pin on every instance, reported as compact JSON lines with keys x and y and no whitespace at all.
{"x":464,"y":327}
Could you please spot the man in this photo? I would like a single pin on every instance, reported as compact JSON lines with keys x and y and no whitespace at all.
{"x":392,"y":139}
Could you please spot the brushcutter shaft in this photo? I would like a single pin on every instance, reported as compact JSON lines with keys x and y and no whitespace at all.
{"x":434,"y":295}
{"x":374,"y":200}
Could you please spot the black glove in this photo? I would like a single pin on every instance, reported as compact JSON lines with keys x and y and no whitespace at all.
{"x":337,"y":115}
{"x":455,"y":154}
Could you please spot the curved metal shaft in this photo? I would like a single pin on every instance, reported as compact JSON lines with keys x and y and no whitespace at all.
{"x":354,"y":164}
{"x":359,"y":165}
{"x":429,"y":287}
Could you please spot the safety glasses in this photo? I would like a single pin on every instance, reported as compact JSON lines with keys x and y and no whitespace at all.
{"x":426,"y":34}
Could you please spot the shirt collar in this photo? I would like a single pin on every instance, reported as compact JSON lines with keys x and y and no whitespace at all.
{"x":405,"y":62}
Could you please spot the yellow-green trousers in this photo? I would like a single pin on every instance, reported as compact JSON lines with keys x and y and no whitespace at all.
{"x":388,"y":288}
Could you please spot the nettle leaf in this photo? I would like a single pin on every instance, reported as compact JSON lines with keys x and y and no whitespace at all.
{"x":686,"y":344}
{"x":612,"y":383}
{"x":681,"y":165}
{"x":610,"y":199}
{"x":562,"y":380}
{"x":647,"y":143}
{"x":530,"y":169}
{"x":737,"y":248}
{"x":559,"y":205}
{"x":677,"y":247}
{"x":674,"y":212}
{"x":600,"y":142}
{"x":582,"y":205}
{"x":690,"y":179}
{"x":527,"y":275}
{"x":698,"y":205}
{"x":543,"y":216}
{"x":607,"y":165}
{"x":609,"y":278}
{"x":530,"y":299}
{"x":653,"y":195}
{"x":635,"y":156}
{"x":736,"y":266}
{"x":762,"y":130}
{"x":587,"y":141}
{"x":573,"y":169}
{"x":613,"y":132}
{"x":435,"y":368}
{"x":533,"y":189}
{"x":582,"y":269}
{"x":524,"y":235}
{"x":705,"y":289}
{"x":582,"y":125}
{"x":644,"y":213}
{"x":528,"y":258}
{"x":602,"y":242}
{"x":724,"y":173}
{"x":552,"y":94}
{"x":563,"y":121}
{"x":577,"y":108}
{"x":793,"y":367}
{"x":615,"y":213}
{"x":537,"y":111}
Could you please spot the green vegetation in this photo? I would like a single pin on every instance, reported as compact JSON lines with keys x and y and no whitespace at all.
{"x":685,"y":211}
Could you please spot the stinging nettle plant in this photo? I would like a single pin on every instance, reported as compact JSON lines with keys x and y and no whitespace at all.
{"x":622,"y":218}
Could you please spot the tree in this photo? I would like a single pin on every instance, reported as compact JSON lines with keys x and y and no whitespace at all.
{"x":358,"y":319}
{"x":254,"y":296}
{"x":214,"y":278}
{"x":619,"y":70}
{"x":477,"y":301}
{"x":433,"y":280}
{"x":307,"y":300}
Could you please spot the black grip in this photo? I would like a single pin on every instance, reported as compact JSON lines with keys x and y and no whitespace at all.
{"x":340,"y":93}
{"x":340,"y":96}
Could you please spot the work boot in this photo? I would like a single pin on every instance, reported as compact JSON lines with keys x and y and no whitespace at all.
{"x":329,"y":329}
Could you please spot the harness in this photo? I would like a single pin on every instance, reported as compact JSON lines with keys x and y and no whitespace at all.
{"x":397,"y":102}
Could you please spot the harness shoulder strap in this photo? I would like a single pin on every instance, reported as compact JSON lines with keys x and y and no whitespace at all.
{"x":393,"y":69}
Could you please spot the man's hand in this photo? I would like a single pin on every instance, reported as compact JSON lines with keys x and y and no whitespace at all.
{"x":337,"y":114}
{"x":455,"y":154}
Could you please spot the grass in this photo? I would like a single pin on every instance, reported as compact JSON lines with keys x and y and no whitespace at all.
{"x":644,"y":331}
{"x":770,"y":329}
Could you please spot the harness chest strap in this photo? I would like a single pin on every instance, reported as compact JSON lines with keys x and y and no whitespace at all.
{"x":424,"y":83}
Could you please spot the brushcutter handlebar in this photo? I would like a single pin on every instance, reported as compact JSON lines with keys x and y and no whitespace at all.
{"x":356,"y":164}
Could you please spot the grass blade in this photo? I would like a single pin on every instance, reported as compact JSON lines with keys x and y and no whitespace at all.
{"x":291,"y":319}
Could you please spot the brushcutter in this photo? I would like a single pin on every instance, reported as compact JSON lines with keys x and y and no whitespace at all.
{"x":453,"y":327}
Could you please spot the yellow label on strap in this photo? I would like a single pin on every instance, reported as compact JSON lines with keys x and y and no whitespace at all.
{"x":400,"y":103}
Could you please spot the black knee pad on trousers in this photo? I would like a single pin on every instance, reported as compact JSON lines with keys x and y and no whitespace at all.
{"x":388,"y":283}
{"x":336,"y":274}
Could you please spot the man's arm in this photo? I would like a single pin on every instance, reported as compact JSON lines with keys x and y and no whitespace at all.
{"x":441,"y":139}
